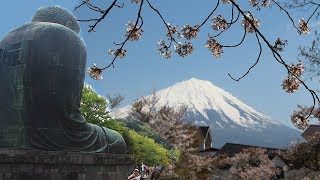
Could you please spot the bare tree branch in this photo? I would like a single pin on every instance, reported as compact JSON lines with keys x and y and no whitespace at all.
{"x":139,"y":17}
{"x":115,"y":100}
{"x":97,"y":9}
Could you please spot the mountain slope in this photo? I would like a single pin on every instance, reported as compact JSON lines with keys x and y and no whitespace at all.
{"x":230,"y":119}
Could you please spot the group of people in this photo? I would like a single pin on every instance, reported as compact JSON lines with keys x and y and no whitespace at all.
{"x":143,"y":172}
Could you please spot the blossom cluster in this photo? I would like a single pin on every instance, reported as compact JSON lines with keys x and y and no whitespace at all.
{"x":219,"y":23}
{"x":247,"y":24}
{"x":291,"y":84}
{"x":172,"y":30}
{"x":189,"y":32}
{"x":121,"y":53}
{"x":279,"y":45}
{"x":297,"y":69}
{"x":183,"y":49}
{"x":299,"y":117}
{"x":95,"y":72}
{"x":214,"y":47}
{"x":164,"y":49}
{"x":133,"y":31}
{"x":303,"y":27}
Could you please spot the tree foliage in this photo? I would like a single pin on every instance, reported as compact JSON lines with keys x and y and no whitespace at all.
{"x":140,"y":147}
{"x":305,"y":154}
{"x":144,"y":129}
{"x":251,"y":163}
{"x":144,"y":149}
{"x":304,"y":158}
{"x":170,"y":124}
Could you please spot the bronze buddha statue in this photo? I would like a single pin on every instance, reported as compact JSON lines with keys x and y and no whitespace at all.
{"x":42,"y":71}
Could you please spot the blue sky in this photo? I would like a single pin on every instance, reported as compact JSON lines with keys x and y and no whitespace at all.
{"x":144,"y":69}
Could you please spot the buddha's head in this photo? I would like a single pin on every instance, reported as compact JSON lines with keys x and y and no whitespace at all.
{"x":56,"y":14}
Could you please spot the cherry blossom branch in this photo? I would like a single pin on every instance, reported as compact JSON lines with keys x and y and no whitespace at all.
{"x":314,"y":96}
{"x":135,"y":28}
{"x":187,"y":32}
{"x":229,"y":24}
{"x":299,"y":5}
{"x":279,"y":58}
{"x":259,"y":33}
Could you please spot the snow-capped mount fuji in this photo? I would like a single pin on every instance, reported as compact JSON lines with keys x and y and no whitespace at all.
{"x":230,"y":119}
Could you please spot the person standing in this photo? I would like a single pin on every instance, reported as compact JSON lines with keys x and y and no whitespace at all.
{"x":135,"y":175}
{"x":143,"y":169}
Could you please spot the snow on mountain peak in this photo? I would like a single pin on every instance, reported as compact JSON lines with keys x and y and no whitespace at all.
{"x":202,"y":96}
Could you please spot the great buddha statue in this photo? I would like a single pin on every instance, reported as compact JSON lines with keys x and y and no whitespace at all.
{"x":42,"y":71}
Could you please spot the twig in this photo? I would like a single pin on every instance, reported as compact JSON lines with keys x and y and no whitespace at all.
{"x":236,"y":45}
{"x":163,"y":20}
{"x":281,"y":8}
{"x":314,"y":12}
{"x":97,"y":9}
{"x":215,"y":8}
{"x":258,"y":59}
